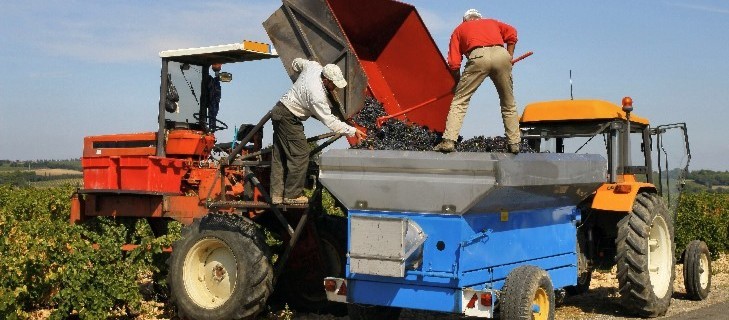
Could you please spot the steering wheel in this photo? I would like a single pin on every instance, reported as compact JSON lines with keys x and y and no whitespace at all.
{"x":219,"y":125}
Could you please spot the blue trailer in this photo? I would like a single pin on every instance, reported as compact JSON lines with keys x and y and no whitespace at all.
{"x":465,"y":233}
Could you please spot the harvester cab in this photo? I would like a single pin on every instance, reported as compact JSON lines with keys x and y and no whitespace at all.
{"x":172,"y":165}
{"x":190,"y":91}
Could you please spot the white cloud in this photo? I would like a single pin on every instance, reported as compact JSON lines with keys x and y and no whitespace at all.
{"x":435,"y":22}
{"x":133,"y":31}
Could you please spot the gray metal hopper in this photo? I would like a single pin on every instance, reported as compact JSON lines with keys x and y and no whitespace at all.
{"x":458,"y":183}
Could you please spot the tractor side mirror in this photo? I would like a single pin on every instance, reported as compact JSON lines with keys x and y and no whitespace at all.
{"x":225,"y":76}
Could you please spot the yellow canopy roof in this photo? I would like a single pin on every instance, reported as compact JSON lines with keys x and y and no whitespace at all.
{"x":575,"y":110}
{"x":227,"y":53}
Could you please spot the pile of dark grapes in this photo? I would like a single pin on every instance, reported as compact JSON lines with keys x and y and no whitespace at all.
{"x":488,"y":144}
{"x":367,"y":117}
{"x":397,"y":135}
{"x":393,"y":134}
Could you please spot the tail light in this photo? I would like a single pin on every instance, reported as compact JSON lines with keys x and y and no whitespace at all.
{"x":623,"y":188}
{"x":330,"y":285}
{"x":336,"y":289}
{"x":487,"y":299}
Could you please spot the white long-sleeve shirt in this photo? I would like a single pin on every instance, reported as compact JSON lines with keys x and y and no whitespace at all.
{"x":308,"y":97}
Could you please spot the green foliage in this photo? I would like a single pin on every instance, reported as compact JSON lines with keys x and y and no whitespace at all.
{"x":58,"y":183}
{"x":16,"y":178}
{"x":22,"y":173}
{"x":710,"y":178}
{"x":707,"y":181}
{"x":330,"y":205}
{"x":48,"y":263}
{"x":70,"y":164}
{"x":703,"y":216}
{"x":25,"y":178}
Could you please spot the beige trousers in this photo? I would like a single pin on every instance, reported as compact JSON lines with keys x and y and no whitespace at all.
{"x":495,"y":63}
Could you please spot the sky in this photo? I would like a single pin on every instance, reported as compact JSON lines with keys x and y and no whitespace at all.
{"x":72,"y":69}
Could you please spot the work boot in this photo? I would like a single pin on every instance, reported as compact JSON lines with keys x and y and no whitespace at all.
{"x":299,"y":200}
{"x":276,"y":199}
{"x":446,"y":146}
{"x":514,"y":148}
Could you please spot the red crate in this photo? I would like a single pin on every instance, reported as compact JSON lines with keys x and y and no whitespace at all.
{"x":133,"y":173}
{"x":189,"y":143}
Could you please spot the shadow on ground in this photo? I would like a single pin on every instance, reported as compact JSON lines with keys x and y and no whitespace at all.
{"x":604,"y":301}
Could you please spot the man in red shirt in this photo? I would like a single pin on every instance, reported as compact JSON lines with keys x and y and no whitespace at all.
{"x":482,"y":41}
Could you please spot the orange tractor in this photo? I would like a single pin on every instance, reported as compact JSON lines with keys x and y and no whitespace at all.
{"x":628,"y":221}
{"x":172,"y":174}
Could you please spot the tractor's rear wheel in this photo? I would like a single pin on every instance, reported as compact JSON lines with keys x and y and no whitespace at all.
{"x":697,"y":270}
{"x":220,"y":269}
{"x":645,"y":257}
{"x":528,"y":294}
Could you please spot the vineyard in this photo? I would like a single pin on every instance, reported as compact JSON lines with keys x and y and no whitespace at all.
{"x":48,"y":264}
{"x":72,"y":270}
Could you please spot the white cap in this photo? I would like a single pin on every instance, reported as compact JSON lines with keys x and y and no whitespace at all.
{"x":471,"y":13}
{"x":333,"y":73}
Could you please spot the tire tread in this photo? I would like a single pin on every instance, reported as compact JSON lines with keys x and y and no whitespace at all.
{"x":517,"y":294}
{"x":632,"y":257}
{"x":250,"y":301}
{"x":691,"y":273}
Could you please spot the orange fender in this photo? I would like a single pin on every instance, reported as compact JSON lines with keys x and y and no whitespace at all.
{"x":618,"y":196}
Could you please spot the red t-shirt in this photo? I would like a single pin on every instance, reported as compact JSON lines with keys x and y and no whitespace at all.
{"x":477,"y":33}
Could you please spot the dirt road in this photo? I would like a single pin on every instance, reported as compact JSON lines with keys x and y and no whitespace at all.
{"x":713,"y":312}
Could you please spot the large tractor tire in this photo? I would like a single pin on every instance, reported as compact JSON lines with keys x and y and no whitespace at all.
{"x":303,"y":288}
{"x":366,"y":312}
{"x":645,"y":257}
{"x":697,"y":270}
{"x":528,"y":294}
{"x":220,"y":269}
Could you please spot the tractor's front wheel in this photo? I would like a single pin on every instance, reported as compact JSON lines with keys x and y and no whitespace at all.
{"x":645,"y":257}
{"x":697,"y":270}
{"x":220,"y":269}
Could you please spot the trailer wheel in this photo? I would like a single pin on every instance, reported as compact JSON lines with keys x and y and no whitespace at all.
{"x":220,"y":269}
{"x":583,"y":283}
{"x":367,"y":312}
{"x":303,"y":288}
{"x":584,"y":269}
{"x":527,"y":294}
{"x":697,"y":270}
{"x":645,"y":257}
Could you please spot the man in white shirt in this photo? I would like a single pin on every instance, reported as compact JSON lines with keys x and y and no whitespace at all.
{"x":307,"y":97}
